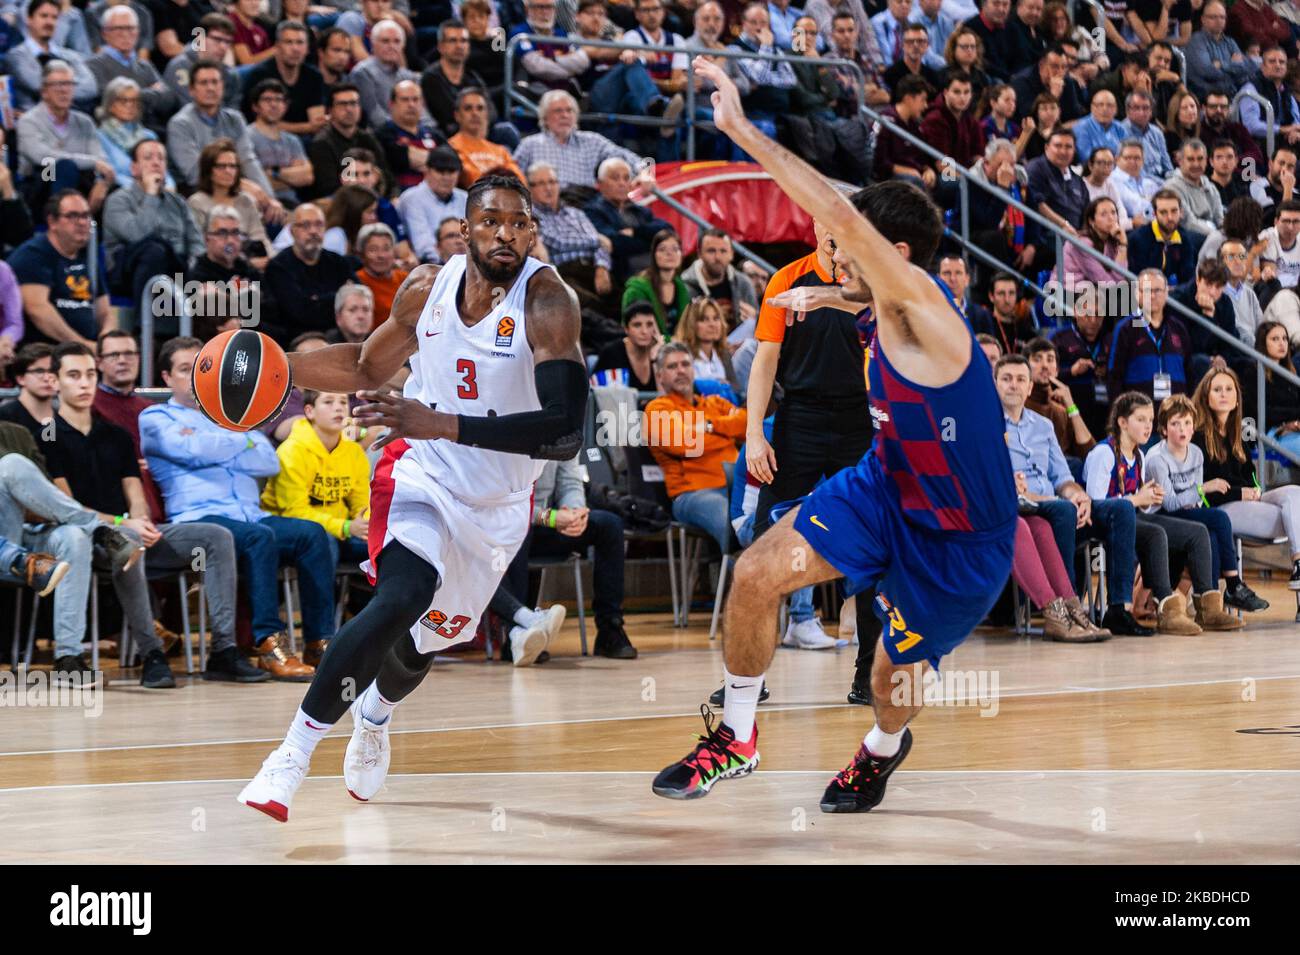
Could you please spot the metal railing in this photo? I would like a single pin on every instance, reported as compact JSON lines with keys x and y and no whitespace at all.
{"x":965,"y":179}
{"x":1234,"y":111}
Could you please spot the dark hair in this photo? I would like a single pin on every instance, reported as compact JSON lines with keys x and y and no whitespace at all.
{"x":1261,"y":338}
{"x":135,"y":150}
{"x":347,"y":205}
{"x":360,"y":154}
{"x":901,"y":212}
{"x":1037,"y":345}
{"x":65,"y":349}
{"x":342,"y":87}
{"x":587,"y":4}
{"x":217,"y":21}
{"x":841,"y":14}
{"x":479,"y":91}
{"x":451,"y":23}
{"x":1168,"y":47}
{"x":308,"y":336}
{"x":309,"y":396}
{"x":173,"y":345}
{"x":1223,"y":144}
{"x":1062,"y":131}
{"x":1166,"y":193}
{"x":1090,"y":215}
{"x":55,"y":202}
{"x":990,"y":96}
{"x":1010,"y":359}
{"x":1213,"y":271}
{"x":1173,"y":407}
{"x":37,"y":4}
{"x":208,"y":159}
{"x":1290,"y":205}
{"x":639,"y":307}
{"x":323,"y":40}
{"x":909,"y":86}
{"x":1284,"y":148}
{"x":713,"y":232}
{"x":651,"y":272}
{"x":270,"y":85}
{"x":1124,"y":407}
{"x":916,"y":28}
{"x":111,"y":333}
{"x":1041,"y":100}
{"x":474,"y":197}
{"x":443,"y":159}
{"x":28,"y":355}
{"x":954,"y":76}
{"x":201,"y":65}
{"x":1002,"y":277}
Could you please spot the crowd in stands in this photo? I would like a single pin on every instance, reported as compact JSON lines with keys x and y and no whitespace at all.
{"x":293,"y":162}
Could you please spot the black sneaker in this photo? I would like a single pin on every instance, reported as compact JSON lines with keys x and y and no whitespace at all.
{"x":155,"y":674}
{"x":612,"y":641}
{"x":230,"y":666}
{"x":1121,"y":623}
{"x":718,"y":755}
{"x":1243,"y":598}
{"x":1294,"y":583}
{"x":716,"y":699}
{"x":860,"y":692}
{"x":860,"y":786}
{"x":122,"y":551}
{"x":72,"y":670}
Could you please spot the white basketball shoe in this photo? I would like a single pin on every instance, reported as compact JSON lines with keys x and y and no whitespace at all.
{"x":365,"y":766}
{"x":271,"y":791}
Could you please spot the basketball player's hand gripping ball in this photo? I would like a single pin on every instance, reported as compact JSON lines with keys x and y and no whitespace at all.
{"x":241,"y":379}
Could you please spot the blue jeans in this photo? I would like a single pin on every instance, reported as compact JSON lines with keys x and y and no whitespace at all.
{"x":1290,"y":441}
{"x":9,"y":552}
{"x":706,"y":511}
{"x":1115,"y":523}
{"x":801,"y":601}
{"x":261,"y":549}
{"x":348,"y":552}
{"x":1223,"y":549}
{"x":627,"y":89}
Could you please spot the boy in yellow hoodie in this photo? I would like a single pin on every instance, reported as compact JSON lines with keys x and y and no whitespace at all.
{"x":324,"y":477}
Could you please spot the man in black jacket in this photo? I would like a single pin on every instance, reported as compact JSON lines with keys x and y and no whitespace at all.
{"x":1204,"y":296}
{"x":307,"y":275}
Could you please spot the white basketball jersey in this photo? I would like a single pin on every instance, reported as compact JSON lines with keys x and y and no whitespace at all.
{"x":486,"y":370}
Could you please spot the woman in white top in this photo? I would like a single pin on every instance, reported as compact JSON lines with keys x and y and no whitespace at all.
{"x":1096,"y":176}
{"x":703,"y":330}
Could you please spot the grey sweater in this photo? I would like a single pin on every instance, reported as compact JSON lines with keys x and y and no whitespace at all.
{"x":38,"y":140}
{"x":560,"y":485}
{"x":1178,"y":478}
{"x":160,"y":103}
{"x":188,"y":132}
{"x":131,"y":214}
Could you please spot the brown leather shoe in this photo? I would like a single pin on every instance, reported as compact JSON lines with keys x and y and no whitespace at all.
{"x":312,"y":651}
{"x":42,"y":572}
{"x":282,"y":665}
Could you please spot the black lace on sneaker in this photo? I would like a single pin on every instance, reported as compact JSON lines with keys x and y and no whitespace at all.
{"x":862,"y":760}
{"x":713,"y":744}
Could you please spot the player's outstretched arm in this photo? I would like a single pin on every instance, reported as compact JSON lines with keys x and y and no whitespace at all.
{"x":345,"y":368}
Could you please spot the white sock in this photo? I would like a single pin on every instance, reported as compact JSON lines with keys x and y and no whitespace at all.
{"x":882,"y":744}
{"x":304,"y":733}
{"x":374,"y":708}
{"x":740,"y":702}
{"x":525,"y":617}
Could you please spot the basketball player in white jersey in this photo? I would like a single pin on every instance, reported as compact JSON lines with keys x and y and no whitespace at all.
{"x":497,"y":386}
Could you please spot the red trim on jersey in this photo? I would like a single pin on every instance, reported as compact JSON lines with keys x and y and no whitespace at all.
{"x":381,"y":499}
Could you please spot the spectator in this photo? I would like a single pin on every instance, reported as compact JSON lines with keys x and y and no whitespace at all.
{"x":817,"y":94}
{"x":1165,"y":82}
{"x":1171,"y":21}
{"x":998,"y":107}
{"x":307,"y":275}
{"x":574,"y":153}
{"x":449,"y":76}
{"x":1281,"y":397}
{"x":1248,"y":315}
{"x":302,"y":86}
{"x":998,"y":39}
{"x":58,"y":147}
{"x":354,"y":315}
{"x":1215,"y":125}
{"x":1223,"y":175}
{"x":1052,"y":398}
{"x":1252,"y":21}
{"x":964,"y":53}
{"x":204,"y":120}
{"x":712,"y":276}
{"x":1134,"y":186}
{"x":1044,"y":480}
{"x":1099,"y":128}
{"x":59,"y":301}
{"x":784,"y":19}
{"x":252,"y":43}
{"x":26,"y":62}
{"x":548,"y":65}
{"x":770,"y":81}
{"x":65,"y":530}
{"x":661,"y":283}
{"x":694,"y":440}
{"x":221,"y":183}
{"x":232,"y":285}
{"x":1130,"y":76}
{"x":1270,"y":83}
{"x":1281,"y":255}
{"x":1049,"y":76}
{"x":1279,"y":185}
{"x":939,"y":26}
{"x":360,"y":168}
{"x":376,"y":247}
{"x":15,"y":217}
{"x":915,"y":43}
{"x":1012,"y":325}
{"x":279,"y":152}
{"x":360,"y":25}
{"x":1101,"y":231}
{"x":33,"y":372}
{"x":1096,"y":176}
{"x":703,"y":331}
{"x":377,"y":74}
{"x":667,"y":70}
{"x":997,"y":227}
{"x":212,"y":43}
{"x":11,"y":317}
{"x":895,"y":157}
{"x":1114,"y":469}
{"x":1177,"y":466}
{"x":1151,"y":356}
{"x":1205,"y":296}
{"x":1061,"y":195}
{"x":349,"y":209}
{"x":485,"y":57}
{"x":1137,"y":124}
{"x":120,"y":128}
{"x":846,"y":41}
{"x":24,"y":568}
{"x":333,"y":57}
{"x":591,"y":22}
{"x":635,"y":353}
{"x":478,"y":155}
{"x":121,"y":57}
{"x":1083,"y":349}
{"x":951,"y":127}
{"x":1214,"y":61}
{"x":1231,"y":482}
{"x":1162,"y":245}
{"x":450,"y":240}
{"x":209,"y":474}
{"x":429,"y":203}
{"x":324,"y":477}
{"x":956,"y":275}
{"x":344,"y":132}
{"x":578,"y":251}
{"x":148,"y":230}
{"x":1046,"y":117}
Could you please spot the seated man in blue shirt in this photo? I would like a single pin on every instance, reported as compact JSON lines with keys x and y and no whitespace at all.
{"x":209,"y":474}
{"x":1048,"y":490}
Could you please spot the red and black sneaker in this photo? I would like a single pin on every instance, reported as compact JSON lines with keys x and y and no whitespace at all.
{"x":719,"y":755}
{"x":860,"y":786}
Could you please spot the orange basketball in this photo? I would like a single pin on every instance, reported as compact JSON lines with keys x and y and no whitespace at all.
{"x":241,"y":379}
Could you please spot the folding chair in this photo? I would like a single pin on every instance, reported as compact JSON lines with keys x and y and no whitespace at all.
{"x":575,"y":561}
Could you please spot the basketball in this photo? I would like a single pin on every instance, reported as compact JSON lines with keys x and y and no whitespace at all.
{"x":241,"y":379}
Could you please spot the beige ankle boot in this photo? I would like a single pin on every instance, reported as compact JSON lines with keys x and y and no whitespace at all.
{"x":1211,"y":615}
{"x":1171,"y":616}
{"x":1081,"y":618}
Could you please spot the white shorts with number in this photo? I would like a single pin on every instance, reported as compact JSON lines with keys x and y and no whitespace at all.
{"x":470,"y":545}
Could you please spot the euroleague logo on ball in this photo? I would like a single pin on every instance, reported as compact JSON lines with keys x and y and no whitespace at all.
{"x":205,"y":366}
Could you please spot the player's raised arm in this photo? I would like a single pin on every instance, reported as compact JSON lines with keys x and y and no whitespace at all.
{"x":347,"y":368}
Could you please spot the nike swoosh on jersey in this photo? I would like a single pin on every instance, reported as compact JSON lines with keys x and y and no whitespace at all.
{"x":431,"y":334}
{"x":814,"y":520}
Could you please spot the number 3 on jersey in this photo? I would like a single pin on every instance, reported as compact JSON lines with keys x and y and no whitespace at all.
{"x":468,"y":388}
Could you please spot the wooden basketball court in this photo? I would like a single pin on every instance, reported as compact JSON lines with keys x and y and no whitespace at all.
{"x":1161,"y":750}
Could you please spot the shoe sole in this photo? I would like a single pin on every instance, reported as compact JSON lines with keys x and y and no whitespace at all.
{"x":701,"y":791}
{"x":275,"y":810}
{"x":534,"y":644}
{"x":231,"y":678}
{"x":305,"y":678}
{"x":763,"y":697}
{"x":95,"y":683}
{"x":160,"y":685}
{"x":56,"y":575}
{"x":553,"y":622}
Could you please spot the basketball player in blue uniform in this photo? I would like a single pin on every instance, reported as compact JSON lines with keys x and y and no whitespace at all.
{"x":928,"y":516}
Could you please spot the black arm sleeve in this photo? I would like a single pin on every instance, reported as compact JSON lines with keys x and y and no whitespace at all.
{"x":552,"y":434}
